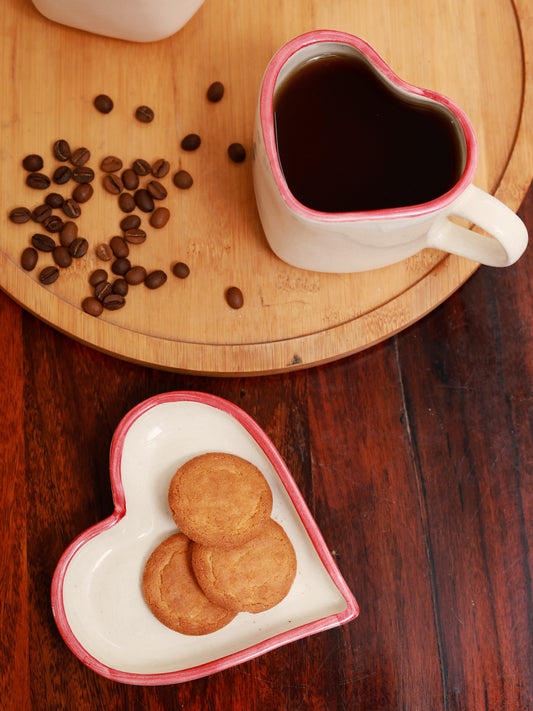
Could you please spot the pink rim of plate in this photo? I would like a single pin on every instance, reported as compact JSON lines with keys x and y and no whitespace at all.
{"x":117,"y":445}
{"x":266,"y":100}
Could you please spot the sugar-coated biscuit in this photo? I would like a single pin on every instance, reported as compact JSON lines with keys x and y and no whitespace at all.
{"x":219,"y":499}
{"x":173,"y":594}
{"x":250,"y":578}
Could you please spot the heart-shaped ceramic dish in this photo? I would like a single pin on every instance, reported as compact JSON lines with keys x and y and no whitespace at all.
{"x":96,"y":589}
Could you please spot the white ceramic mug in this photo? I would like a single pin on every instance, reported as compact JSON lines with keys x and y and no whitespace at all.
{"x":360,"y":241}
{"x":134,"y":20}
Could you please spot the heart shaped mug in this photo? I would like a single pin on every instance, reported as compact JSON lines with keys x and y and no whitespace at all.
{"x":354,"y":169}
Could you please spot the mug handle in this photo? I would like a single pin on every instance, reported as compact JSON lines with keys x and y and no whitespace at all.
{"x":508,"y":239}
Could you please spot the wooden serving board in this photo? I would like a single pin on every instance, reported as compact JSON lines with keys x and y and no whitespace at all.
{"x":478,"y":52}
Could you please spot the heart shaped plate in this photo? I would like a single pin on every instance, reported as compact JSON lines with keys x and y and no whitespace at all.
{"x":97,"y":599}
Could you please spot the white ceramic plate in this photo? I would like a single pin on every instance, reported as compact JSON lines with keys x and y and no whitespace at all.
{"x":97,"y":599}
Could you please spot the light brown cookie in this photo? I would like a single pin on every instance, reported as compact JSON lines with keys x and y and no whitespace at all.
{"x":172,"y":593}
{"x":250,"y":578}
{"x":219,"y":499}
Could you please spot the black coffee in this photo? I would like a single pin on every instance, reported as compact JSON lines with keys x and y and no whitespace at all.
{"x":348,"y":141}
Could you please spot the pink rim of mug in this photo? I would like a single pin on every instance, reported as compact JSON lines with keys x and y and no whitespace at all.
{"x":266,"y":100}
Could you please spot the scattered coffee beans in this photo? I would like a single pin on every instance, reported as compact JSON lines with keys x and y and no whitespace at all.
{"x":29,"y":258}
{"x":20,"y":215}
{"x":43,"y":243}
{"x":141,"y":167}
{"x":102,"y":289}
{"x":103,"y":252}
{"x":234,"y":297}
{"x":182,"y":179}
{"x":114,"y":302}
{"x":62,"y":175}
{"x":135,"y":275}
{"x":53,"y":223}
{"x":159,"y":217}
{"x":92,"y":306}
{"x":237,"y":152}
{"x":83,"y":193}
{"x":48,"y":275}
{"x":120,"y":266}
{"x":41,"y":213}
{"x":38,"y":181}
{"x":79,"y":247}
{"x":130,"y":222}
{"x":130,"y":179}
{"x":126,"y":202}
{"x":113,"y":184}
{"x":103,"y":103}
{"x":144,"y":114}
{"x":55,"y":200}
{"x":180,"y":270}
{"x":191,"y":142}
{"x":215,"y":91}
{"x":61,"y":150}
{"x":71,"y":208}
{"x":80,"y":156}
{"x":160,"y":168}
{"x":120,"y":286}
{"x":135,"y":235}
{"x":68,"y":233}
{"x":110,"y":164}
{"x":33,"y":163}
{"x":143,"y":200}
{"x":155,"y":279}
{"x":157,"y":190}
{"x":97,"y":276}
{"x":119,"y":247}
{"x":62,"y":257}
{"x":83,"y":174}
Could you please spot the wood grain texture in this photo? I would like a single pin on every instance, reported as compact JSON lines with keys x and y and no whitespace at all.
{"x":414,"y":456}
{"x":478,"y":53}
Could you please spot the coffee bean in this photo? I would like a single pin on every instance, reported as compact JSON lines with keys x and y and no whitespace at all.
{"x":48,"y":275}
{"x":135,"y":275}
{"x":61,"y":150}
{"x":141,"y":167}
{"x":41,"y":212}
{"x":144,"y":200}
{"x":144,"y":114}
{"x":237,"y":152}
{"x":62,"y":257}
{"x":114,"y":302}
{"x":119,"y":247}
{"x":159,"y":217}
{"x":20,"y":215}
{"x":160,"y":168}
{"x":80,"y":156}
{"x":83,"y":174}
{"x":82,"y":192}
{"x":68,"y":233}
{"x":53,"y":223}
{"x":120,"y":286}
{"x":55,"y":200}
{"x":234,"y":297}
{"x":130,"y":222}
{"x":215,"y":91}
{"x":135,"y":236}
{"x":103,"y":103}
{"x":191,"y":142}
{"x":28,"y":259}
{"x":126,"y":202}
{"x":156,"y":190}
{"x":103,"y":252}
{"x":38,"y":181}
{"x":71,"y":208}
{"x":33,"y":163}
{"x":110,"y":164}
{"x":102,"y":289}
{"x":113,"y":184}
{"x":62,"y":175}
{"x":97,"y":276}
{"x":120,"y":266}
{"x":43,"y":243}
{"x":79,"y":247}
{"x":155,"y":279}
{"x":130,"y":179}
{"x":92,"y":306}
{"x":182,"y":179}
{"x":181,"y":270}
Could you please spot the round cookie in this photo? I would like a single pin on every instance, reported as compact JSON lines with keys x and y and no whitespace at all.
{"x":172,"y":593}
{"x":219,"y":499}
{"x":250,"y":578}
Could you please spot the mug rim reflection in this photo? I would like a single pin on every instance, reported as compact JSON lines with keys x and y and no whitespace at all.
{"x":266,"y":113}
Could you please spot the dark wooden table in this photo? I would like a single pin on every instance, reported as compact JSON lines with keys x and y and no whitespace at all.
{"x":415,"y":458}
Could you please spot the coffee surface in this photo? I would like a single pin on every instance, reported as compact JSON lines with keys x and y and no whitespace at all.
{"x":348,"y":141}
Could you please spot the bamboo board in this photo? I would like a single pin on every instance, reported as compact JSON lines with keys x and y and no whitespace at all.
{"x":477,"y":52}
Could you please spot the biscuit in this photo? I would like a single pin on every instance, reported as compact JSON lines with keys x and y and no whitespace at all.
{"x":219,"y":499}
{"x":172,"y":593}
{"x":250,"y":578}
